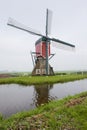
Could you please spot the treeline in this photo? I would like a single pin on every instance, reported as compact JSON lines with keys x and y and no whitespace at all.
{"x":70,"y":72}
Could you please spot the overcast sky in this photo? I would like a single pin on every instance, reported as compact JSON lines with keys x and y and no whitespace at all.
{"x":69,"y":23}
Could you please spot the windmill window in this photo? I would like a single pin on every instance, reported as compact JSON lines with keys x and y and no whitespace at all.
{"x":38,"y":71}
{"x":43,"y":71}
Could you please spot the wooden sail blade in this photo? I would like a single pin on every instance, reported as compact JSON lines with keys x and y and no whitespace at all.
{"x":50,"y":14}
{"x":62,"y":42}
{"x":62,"y":45}
{"x":14,"y":23}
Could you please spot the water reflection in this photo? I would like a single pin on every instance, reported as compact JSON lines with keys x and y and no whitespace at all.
{"x":15,"y":98}
{"x":41,"y":94}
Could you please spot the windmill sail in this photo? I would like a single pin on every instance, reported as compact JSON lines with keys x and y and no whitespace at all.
{"x":14,"y":23}
{"x":50,"y":14}
{"x":62,"y":45}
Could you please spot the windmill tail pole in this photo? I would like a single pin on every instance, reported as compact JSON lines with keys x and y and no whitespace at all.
{"x":47,"y":73}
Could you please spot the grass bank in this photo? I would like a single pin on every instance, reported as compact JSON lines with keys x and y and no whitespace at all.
{"x":67,"y":114}
{"x":31,"y":80}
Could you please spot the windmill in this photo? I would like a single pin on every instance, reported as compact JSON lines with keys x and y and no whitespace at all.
{"x":42,"y":53}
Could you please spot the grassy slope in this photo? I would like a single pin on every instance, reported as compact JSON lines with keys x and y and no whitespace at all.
{"x":42,"y":79}
{"x":67,"y":114}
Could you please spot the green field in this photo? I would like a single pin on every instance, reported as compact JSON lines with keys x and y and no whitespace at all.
{"x":31,"y":80}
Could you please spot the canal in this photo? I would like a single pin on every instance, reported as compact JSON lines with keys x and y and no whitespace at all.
{"x":16,"y":98}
